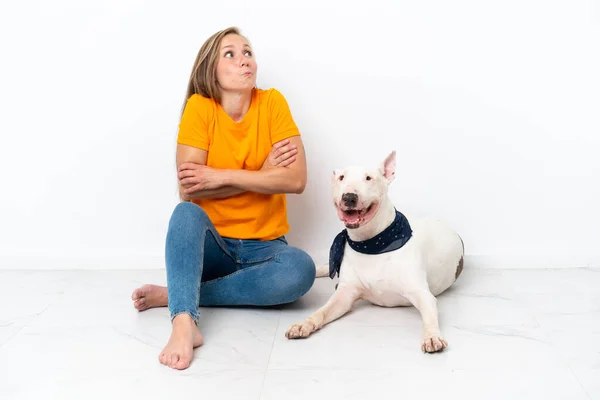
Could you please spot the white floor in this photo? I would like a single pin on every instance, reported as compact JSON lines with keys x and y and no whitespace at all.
{"x":512,"y":334}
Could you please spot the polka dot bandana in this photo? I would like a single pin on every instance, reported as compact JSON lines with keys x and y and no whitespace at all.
{"x":392,"y":238}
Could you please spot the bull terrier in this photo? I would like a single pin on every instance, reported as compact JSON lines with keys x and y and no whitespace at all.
{"x":383,"y":257}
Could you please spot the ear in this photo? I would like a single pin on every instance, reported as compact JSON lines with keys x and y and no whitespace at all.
{"x":388,"y":167}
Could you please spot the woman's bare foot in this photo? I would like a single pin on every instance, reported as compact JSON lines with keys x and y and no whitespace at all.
{"x":185,"y":337}
{"x":149,"y":296}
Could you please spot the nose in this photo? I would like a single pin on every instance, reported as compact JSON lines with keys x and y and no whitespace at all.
{"x":350,"y":199}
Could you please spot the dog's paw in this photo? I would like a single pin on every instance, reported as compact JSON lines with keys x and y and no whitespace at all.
{"x":301,"y":330}
{"x":433,"y":344}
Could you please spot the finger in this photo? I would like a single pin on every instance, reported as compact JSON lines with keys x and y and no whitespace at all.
{"x":287,"y":162}
{"x":184,"y":166}
{"x":193,"y":189}
{"x":189,"y":166}
{"x":286,"y":155}
{"x":285,"y":158}
{"x":188,"y":181}
{"x":280,"y":144}
{"x":285,"y":149}
{"x":186,"y":173}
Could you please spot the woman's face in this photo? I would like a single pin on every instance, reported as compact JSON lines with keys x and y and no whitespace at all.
{"x":236,"y":67}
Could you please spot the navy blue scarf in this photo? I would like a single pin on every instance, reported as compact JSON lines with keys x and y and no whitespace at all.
{"x":392,"y":238}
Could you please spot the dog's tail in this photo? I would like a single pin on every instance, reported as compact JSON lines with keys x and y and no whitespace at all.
{"x":459,"y":267}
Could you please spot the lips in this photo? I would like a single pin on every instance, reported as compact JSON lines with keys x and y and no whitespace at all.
{"x":355,"y":217}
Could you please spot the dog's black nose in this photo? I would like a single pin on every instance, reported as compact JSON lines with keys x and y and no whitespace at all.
{"x":350,"y":199}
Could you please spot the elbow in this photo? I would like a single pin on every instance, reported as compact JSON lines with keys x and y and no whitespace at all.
{"x":300,"y":183}
{"x":299,"y":186}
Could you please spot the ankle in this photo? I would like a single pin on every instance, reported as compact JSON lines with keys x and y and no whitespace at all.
{"x":183,"y":319}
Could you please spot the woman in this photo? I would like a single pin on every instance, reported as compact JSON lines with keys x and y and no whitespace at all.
{"x":239,"y":152}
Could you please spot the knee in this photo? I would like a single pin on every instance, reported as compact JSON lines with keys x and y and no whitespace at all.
{"x":301,"y":271}
{"x":188,"y":214}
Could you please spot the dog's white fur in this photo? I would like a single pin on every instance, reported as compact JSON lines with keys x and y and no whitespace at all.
{"x":415,"y":274}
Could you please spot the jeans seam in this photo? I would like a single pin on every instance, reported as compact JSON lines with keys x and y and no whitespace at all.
{"x":263,"y":260}
{"x":218,"y":238}
{"x":207,"y":283}
{"x":254,"y":261}
{"x":193,"y":314}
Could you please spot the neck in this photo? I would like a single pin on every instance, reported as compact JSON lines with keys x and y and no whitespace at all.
{"x":236,"y":104}
{"x":384,"y":217}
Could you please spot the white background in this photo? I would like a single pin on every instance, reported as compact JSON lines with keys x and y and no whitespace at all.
{"x":492,"y":106}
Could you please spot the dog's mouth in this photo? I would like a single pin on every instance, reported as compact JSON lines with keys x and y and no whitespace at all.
{"x":356,"y":217}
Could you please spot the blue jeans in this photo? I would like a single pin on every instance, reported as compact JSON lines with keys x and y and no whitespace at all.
{"x":205,"y":269}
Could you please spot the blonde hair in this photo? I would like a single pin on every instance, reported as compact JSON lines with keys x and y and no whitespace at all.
{"x":203,"y":79}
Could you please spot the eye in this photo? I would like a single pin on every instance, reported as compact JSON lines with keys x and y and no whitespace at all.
{"x":248,"y":53}
{"x":369,"y":178}
{"x":228,"y":54}
{"x":341,"y":178}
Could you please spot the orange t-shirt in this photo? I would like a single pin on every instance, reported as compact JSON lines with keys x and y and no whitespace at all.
{"x":241,"y":145}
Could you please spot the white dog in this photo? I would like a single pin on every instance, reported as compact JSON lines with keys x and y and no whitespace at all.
{"x":384,"y":258}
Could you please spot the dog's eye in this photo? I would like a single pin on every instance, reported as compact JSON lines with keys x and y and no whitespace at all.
{"x":341,"y":178}
{"x":368,"y":178}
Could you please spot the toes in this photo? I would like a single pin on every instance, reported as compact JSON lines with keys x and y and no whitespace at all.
{"x":141,"y":292}
{"x":433,"y":344}
{"x":137,"y":294}
{"x":170,"y":360}
{"x":173,"y":359}
{"x":307,"y":329}
{"x":293,"y":332}
{"x":178,"y":362}
{"x":439,"y":344}
{"x":299,"y":331}
{"x":181,"y":363}
{"x":443,"y":344}
{"x":427,"y":346}
{"x":140,"y":304}
{"x":139,"y":301}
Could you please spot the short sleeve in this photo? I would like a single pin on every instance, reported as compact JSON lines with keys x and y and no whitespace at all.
{"x":283,"y":125}
{"x":193,"y":126}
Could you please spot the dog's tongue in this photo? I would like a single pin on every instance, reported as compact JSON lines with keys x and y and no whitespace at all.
{"x":349,"y":216}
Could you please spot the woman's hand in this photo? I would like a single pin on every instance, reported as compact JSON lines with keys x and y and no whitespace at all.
{"x":282,"y":154}
{"x":195,"y":177}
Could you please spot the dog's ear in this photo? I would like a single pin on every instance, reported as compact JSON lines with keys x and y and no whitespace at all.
{"x":388,"y":167}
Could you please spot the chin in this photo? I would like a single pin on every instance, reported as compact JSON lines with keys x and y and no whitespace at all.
{"x":357,"y":217}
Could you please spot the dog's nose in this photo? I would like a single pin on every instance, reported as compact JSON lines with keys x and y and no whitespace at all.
{"x":350,"y":199}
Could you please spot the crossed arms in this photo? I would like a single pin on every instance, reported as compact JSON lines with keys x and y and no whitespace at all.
{"x":284,"y":171}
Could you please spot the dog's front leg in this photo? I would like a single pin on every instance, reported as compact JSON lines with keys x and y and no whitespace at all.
{"x":339,"y":304}
{"x":426,"y":303}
